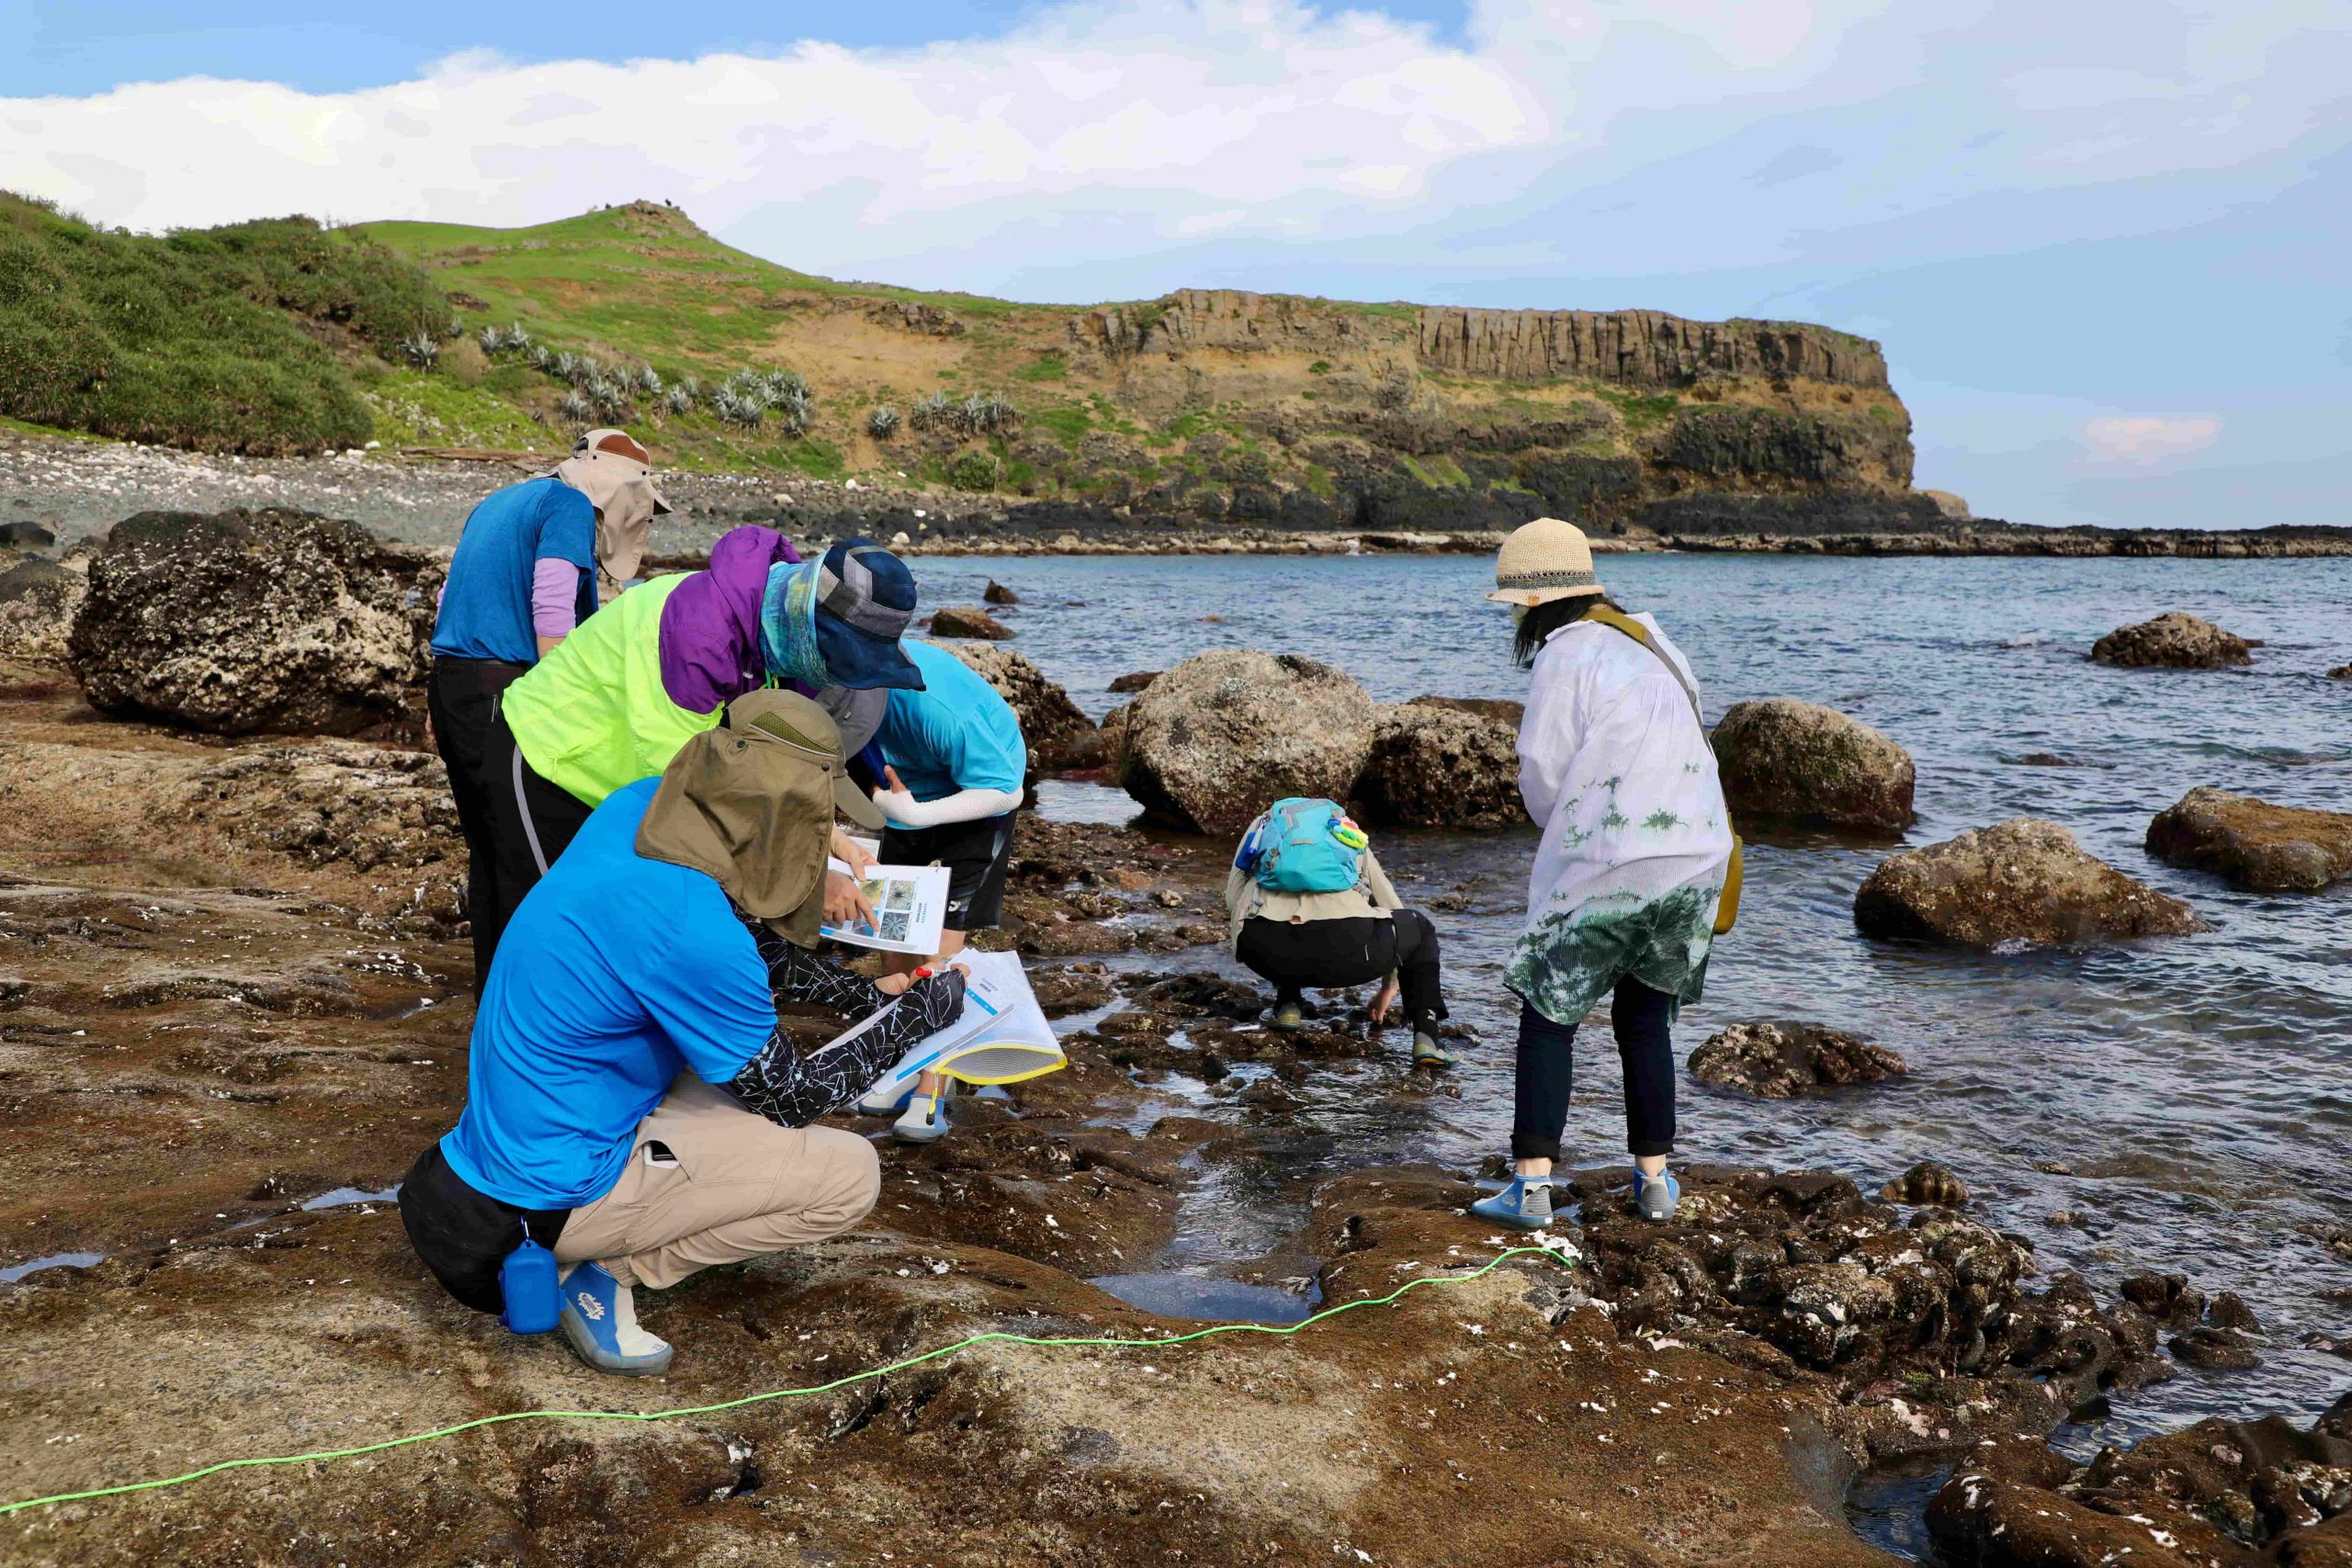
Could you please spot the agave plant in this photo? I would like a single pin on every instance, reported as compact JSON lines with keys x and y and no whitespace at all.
{"x":490,"y":339}
{"x":647,"y":380}
{"x":935,"y":412}
{"x":518,"y":339}
{"x":575,"y":408}
{"x":679,"y":399}
{"x":565,"y":367}
{"x":735,"y":409}
{"x":882,"y":422}
{"x":543,"y":358}
{"x":421,"y":349}
{"x":608,"y":396}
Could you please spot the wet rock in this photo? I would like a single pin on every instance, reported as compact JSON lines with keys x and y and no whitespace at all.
{"x":2229,"y":1311}
{"x":1502,"y":710}
{"x":2173,"y":640}
{"x":1134,"y":681}
{"x":1050,"y":722}
{"x":1926,"y":1183}
{"x":2167,"y":1298}
{"x":2046,"y":759}
{"x":2257,"y":846}
{"x":2022,"y":880}
{"x":25,"y":536}
{"x":998,"y":593}
{"x":2341,"y":673}
{"x":1438,"y":767}
{"x":956,"y":620}
{"x":1799,"y":764}
{"x":1222,"y":736}
{"x":1071,"y":939}
{"x":1073,"y":987}
{"x":2215,"y":1348}
{"x":1779,"y":1061}
{"x":38,"y":602}
{"x":246,"y":621}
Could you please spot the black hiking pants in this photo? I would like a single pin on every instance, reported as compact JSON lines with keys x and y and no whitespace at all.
{"x":531,"y":821}
{"x":459,"y":698}
{"x":1329,"y":954}
{"x":1640,"y":1017}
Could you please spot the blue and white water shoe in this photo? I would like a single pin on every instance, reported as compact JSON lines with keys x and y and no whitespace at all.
{"x":1525,"y":1204}
{"x":926,"y":1119}
{"x":1656,"y":1197}
{"x":600,"y":1319}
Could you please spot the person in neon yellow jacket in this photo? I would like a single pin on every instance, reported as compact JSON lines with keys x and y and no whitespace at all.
{"x":615,"y":701}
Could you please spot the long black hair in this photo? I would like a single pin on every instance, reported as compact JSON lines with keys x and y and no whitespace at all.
{"x":1540,"y":622}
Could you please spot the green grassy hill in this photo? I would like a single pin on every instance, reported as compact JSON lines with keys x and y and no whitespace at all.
{"x":1212,"y":405}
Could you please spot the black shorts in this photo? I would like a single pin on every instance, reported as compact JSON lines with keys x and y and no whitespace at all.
{"x":977,"y":855}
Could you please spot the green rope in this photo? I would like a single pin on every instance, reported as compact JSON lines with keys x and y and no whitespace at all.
{"x":1105,"y":1341}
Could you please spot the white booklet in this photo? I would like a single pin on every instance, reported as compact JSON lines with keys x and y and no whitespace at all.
{"x":909,"y":908}
{"x":1001,"y":1036}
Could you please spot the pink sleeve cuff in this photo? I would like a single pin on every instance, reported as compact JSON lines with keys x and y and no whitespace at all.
{"x":555,"y":597}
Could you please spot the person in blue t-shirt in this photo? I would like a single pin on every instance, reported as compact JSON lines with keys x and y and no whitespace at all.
{"x":633,"y":1103}
{"x":525,"y":574}
{"x":954,"y":766}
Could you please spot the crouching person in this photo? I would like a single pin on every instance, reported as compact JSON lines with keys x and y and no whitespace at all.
{"x":1310,"y":906}
{"x":633,"y":1103}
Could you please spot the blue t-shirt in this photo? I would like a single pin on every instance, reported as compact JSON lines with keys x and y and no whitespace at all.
{"x":616,"y":974}
{"x":486,"y":613}
{"x":955,"y":734}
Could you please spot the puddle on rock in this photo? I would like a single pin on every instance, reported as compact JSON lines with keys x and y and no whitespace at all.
{"x":54,"y":1260}
{"x":1075,"y":800}
{"x":1888,"y":1507}
{"x":341,"y":1196}
{"x":1203,"y":1298}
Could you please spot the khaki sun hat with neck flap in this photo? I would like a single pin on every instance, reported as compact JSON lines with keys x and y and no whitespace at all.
{"x":1543,"y":561}
{"x":751,"y":804}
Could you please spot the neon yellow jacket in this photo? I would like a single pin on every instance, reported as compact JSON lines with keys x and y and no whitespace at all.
{"x":593,"y":716}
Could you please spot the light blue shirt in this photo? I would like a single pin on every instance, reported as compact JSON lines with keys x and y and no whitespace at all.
{"x":955,"y":734}
{"x":616,"y":974}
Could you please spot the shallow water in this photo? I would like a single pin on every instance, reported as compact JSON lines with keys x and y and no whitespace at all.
{"x":2199,"y":1088}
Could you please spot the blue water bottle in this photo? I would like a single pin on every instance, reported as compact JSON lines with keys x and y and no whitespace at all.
{"x":527,"y":1282}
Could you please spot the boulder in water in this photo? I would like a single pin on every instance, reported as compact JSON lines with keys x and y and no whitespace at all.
{"x":38,"y":602}
{"x":1133,"y":681}
{"x":1799,"y":764}
{"x":1502,"y":710}
{"x":254,"y":620}
{"x":2341,"y":673}
{"x":1928,"y":1184}
{"x":1780,"y":1061}
{"x":2022,"y":880}
{"x":1052,"y":724}
{"x":2256,"y":845}
{"x":1440,"y":767}
{"x":2175,"y":640}
{"x":998,"y":593}
{"x":1224,"y":735}
{"x":956,"y":620}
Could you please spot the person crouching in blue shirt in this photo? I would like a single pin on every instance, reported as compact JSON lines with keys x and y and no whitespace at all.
{"x":523,"y":576}
{"x":633,"y":1103}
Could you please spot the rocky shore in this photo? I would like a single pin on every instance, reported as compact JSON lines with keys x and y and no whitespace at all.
{"x":78,"y":487}
{"x":234,"y":1005}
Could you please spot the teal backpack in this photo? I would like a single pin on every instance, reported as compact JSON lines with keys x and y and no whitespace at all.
{"x":1304,"y":846}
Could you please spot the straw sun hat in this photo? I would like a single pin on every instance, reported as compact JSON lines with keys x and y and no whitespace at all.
{"x":1543,"y":561}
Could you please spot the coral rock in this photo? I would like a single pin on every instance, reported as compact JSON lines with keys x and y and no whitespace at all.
{"x":2022,"y":880}
{"x":1779,"y":1061}
{"x":2256,"y":845}
{"x":1224,"y":735}
{"x":1799,"y":764}
{"x":2175,"y":640}
{"x":956,"y":620}
{"x":1440,"y":767}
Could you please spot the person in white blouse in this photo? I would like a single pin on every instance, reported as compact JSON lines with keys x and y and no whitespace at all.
{"x":1615,"y":768}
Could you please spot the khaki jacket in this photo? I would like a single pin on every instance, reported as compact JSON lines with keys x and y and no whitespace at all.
{"x":1245,"y":900}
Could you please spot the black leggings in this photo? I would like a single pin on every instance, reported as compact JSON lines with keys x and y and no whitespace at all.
{"x":1640,"y":1017}
{"x":459,"y":698}
{"x":1354,"y":951}
{"x":530,"y":822}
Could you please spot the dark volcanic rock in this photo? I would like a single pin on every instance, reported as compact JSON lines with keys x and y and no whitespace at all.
{"x":998,"y":593}
{"x":2167,"y":1298}
{"x":1134,"y":681}
{"x":2256,"y":845}
{"x":38,"y":599}
{"x":1055,"y":728}
{"x":25,"y":537}
{"x":2175,"y":640}
{"x":1928,"y":1184}
{"x":2022,"y":880}
{"x":1440,"y":767}
{"x":1799,"y":764}
{"x":247,"y":621}
{"x":1779,"y":1061}
{"x":956,"y":620}
{"x":1222,"y":736}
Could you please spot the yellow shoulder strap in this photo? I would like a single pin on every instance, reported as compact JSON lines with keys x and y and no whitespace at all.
{"x":1641,"y":634}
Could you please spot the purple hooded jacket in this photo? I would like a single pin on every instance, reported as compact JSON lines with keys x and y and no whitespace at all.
{"x":710,"y":625}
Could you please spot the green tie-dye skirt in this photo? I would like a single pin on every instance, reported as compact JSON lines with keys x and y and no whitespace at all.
{"x":1571,"y":958}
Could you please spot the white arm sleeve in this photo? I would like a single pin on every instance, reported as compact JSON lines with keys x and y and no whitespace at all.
{"x":964,"y":805}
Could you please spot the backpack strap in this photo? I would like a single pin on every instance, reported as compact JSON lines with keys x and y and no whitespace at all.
{"x":1641,"y":634}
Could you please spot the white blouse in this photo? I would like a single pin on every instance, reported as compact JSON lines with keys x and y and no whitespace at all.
{"x":1616,"y":770}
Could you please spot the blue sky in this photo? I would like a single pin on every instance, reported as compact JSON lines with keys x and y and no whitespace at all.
{"x":2104,"y":245}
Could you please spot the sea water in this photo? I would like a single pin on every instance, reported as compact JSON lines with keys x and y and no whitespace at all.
{"x":2190,"y":1098}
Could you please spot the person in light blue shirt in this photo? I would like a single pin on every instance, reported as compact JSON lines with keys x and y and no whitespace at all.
{"x":632,"y":1102}
{"x":954,"y":768}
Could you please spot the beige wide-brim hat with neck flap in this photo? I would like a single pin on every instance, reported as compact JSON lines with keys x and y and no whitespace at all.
{"x":1543,"y":561}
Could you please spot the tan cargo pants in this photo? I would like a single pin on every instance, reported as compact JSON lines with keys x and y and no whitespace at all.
{"x":743,"y":1187}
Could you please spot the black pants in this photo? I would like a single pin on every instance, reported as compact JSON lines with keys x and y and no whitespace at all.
{"x":463,"y":1235}
{"x":459,"y":698}
{"x":1640,"y":1017}
{"x":530,"y":822}
{"x":1357,"y":951}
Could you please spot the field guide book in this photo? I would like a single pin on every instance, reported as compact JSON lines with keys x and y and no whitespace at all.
{"x":1001,"y":1036}
{"x":910,"y":908}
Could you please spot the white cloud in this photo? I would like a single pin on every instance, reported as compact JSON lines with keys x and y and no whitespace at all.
{"x":2147,"y":438}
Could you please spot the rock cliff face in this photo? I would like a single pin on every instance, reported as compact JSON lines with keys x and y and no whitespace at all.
{"x":1639,"y":348}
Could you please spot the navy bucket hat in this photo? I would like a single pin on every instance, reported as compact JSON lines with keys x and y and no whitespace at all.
{"x":866,"y":599}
